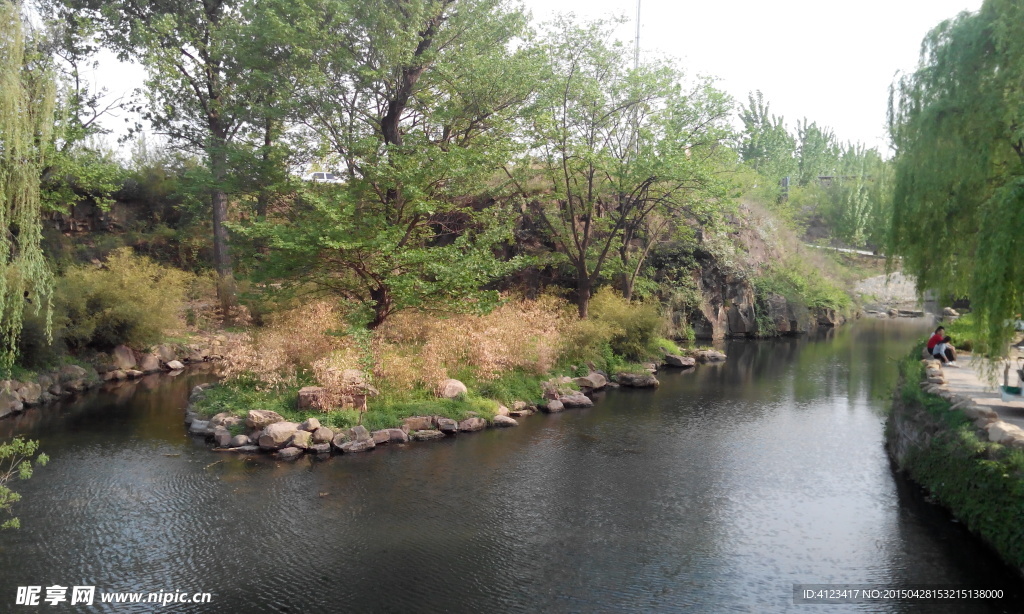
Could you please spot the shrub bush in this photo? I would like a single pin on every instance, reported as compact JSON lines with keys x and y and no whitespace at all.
{"x":130,"y":300}
{"x":634,"y":326}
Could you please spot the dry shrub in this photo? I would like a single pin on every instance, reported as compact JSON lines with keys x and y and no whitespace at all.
{"x":417,"y":348}
{"x":292,"y":340}
{"x":343,"y":382}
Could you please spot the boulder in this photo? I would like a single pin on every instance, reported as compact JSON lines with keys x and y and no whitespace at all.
{"x":218,"y":420}
{"x":70,"y":373}
{"x":239,"y":440}
{"x":451,"y":388}
{"x":381,"y":436}
{"x":365,"y":445}
{"x":504,"y":421}
{"x":650,"y":367}
{"x":398,"y":436}
{"x":472,"y":424}
{"x":418,"y":423}
{"x":134,"y":373}
{"x":289,"y":453}
{"x":554,"y":406}
{"x":9,"y":403}
{"x":312,"y":397}
{"x":1001,"y":432}
{"x":123,"y":358}
{"x":55,"y":390}
{"x":77,"y":385}
{"x":112,"y":376}
{"x":165,"y":353}
{"x":198,"y":427}
{"x":175,"y":365}
{"x":339,"y":440}
{"x":577,"y":399}
{"x":319,"y":448}
{"x":447,"y":426}
{"x":222,"y":437}
{"x":359,"y":433}
{"x":322,"y":435}
{"x":592,"y":380}
{"x":706,"y":356}
{"x":521,"y":408}
{"x":261,"y":418}
{"x":949,"y":312}
{"x":150,"y":363}
{"x":30,"y":393}
{"x":301,"y":439}
{"x":556,"y":387}
{"x":310,"y":424}
{"x":277,"y":435}
{"x":426,"y":435}
{"x":638,"y":380}
{"x":682,"y":362}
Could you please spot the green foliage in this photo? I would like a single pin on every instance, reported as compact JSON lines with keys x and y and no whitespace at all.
{"x":766,"y":145}
{"x":130,"y":300}
{"x":800,"y":282}
{"x":27,"y":100}
{"x":956,"y":124}
{"x":632,"y":327}
{"x":982,"y":483}
{"x":16,"y":458}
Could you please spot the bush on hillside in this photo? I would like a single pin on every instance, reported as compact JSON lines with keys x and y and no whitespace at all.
{"x":130,"y":300}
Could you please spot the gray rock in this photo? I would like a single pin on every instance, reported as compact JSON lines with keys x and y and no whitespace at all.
{"x":30,"y":393}
{"x":398,"y":436}
{"x":165,"y":353}
{"x":277,"y":435}
{"x":301,"y":439}
{"x":312,"y":397}
{"x":577,"y":399}
{"x":123,"y":358}
{"x":262,"y":418}
{"x":593,"y":381}
{"x":322,"y":435}
{"x":472,"y":424}
{"x":175,"y":365}
{"x":248,"y":449}
{"x":310,"y":424}
{"x":451,"y":388}
{"x":381,"y":436}
{"x":222,"y":437}
{"x":638,"y":380}
{"x":239,"y":440}
{"x":359,"y":433}
{"x":319,"y":448}
{"x":150,"y":363}
{"x":504,"y":421}
{"x":289,"y":453}
{"x":134,"y":373}
{"x":69,"y":373}
{"x":683,"y":362}
{"x":710,"y":356}
{"x":447,"y":425}
{"x":357,"y":446}
{"x":426,"y":435}
{"x":55,"y":390}
{"x":554,"y":406}
{"x":218,"y":420}
{"x":419,"y":423}
{"x":198,"y":427}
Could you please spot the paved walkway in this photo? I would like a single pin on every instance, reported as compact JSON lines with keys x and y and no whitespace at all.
{"x":971,"y":380}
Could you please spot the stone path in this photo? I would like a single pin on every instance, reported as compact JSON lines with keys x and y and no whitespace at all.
{"x":972,"y":381}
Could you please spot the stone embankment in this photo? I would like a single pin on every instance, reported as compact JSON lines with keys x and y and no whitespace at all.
{"x":122,"y":363}
{"x":951,"y":438}
{"x":269,"y":432}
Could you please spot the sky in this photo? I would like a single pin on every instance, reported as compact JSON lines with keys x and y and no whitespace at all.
{"x":831,"y":62}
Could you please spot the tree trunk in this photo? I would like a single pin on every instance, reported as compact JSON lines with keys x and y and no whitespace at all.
{"x":583,"y":292}
{"x":226,"y":292}
{"x":382,"y":305}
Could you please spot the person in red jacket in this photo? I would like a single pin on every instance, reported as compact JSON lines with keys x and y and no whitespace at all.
{"x":939,"y":347}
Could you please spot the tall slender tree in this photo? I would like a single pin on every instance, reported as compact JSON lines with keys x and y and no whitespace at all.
{"x":27,"y":99}
{"x":957,"y":125}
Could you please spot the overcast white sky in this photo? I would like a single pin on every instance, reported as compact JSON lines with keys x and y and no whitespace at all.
{"x":831,"y":62}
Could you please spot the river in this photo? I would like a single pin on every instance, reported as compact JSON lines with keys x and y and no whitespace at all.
{"x":715,"y":493}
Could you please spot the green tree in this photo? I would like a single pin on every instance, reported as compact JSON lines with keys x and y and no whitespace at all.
{"x":417,"y":103}
{"x":623,"y":154}
{"x":27,"y":100}
{"x":204,"y":75}
{"x":766,"y":145}
{"x":817,"y":152}
{"x":957,"y":125}
{"x":16,"y":457}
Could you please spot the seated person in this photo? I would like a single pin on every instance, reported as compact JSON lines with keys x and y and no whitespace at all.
{"x":939,"y":347}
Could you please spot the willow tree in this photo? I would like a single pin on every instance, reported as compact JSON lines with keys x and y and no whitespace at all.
{"x":27,"y":99}
{"x":957,"y":125}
